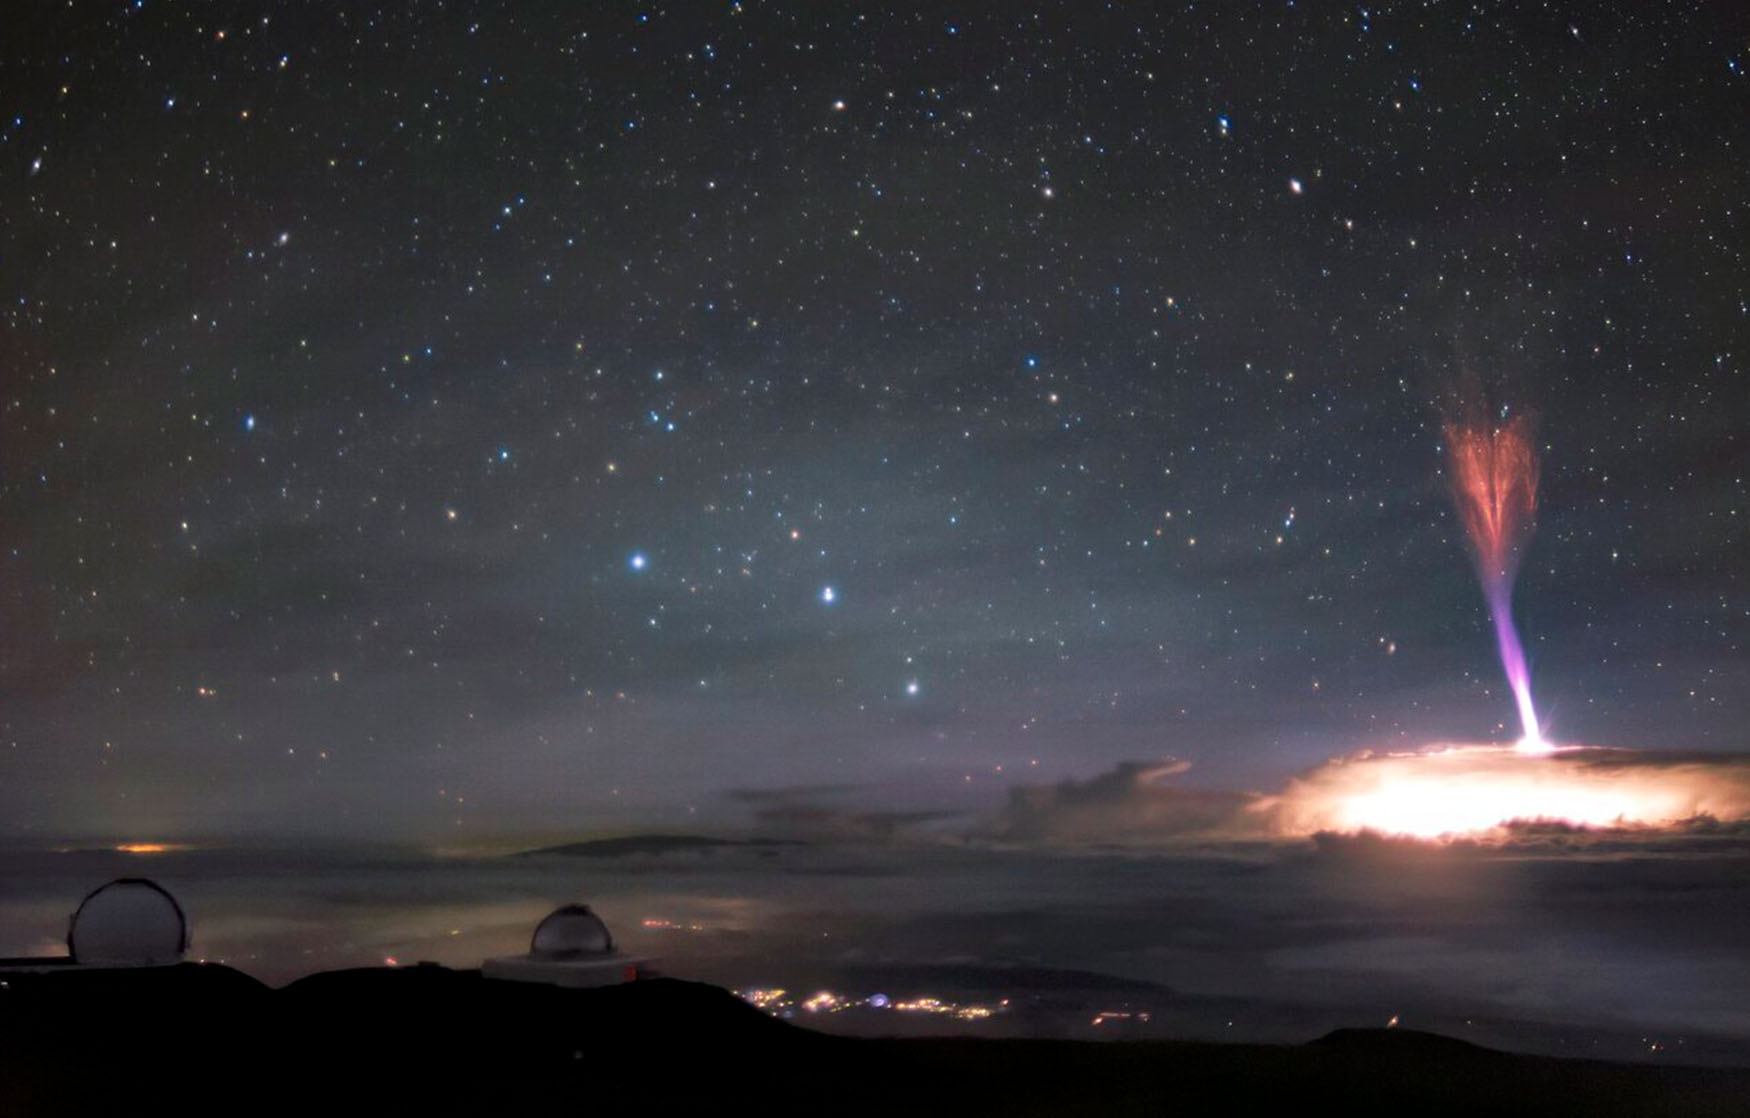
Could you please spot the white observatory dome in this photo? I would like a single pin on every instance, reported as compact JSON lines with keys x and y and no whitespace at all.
{"x":571,"y":932}
{"x":571,"y":948}
{"x":129,"y":922}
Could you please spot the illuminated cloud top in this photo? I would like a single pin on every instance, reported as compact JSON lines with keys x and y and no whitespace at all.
{"x":1477,"y":793}
{"x":1457,"y":791}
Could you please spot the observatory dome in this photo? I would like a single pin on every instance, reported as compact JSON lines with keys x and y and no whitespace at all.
{"x":571,"y":932}
{"x":129,"y":922}
{"x":571,"y":948}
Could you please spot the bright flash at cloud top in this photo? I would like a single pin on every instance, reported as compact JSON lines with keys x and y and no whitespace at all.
{"x":1468,"y":790}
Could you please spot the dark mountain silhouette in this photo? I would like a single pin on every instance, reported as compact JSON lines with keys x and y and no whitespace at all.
{"x":425,"y":1039}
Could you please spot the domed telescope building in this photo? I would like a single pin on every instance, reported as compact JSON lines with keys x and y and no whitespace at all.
{"x":131,"y":922}
{"x":571,"y":948}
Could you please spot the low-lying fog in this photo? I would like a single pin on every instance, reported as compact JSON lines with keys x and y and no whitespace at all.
{"x":1620,"y":954}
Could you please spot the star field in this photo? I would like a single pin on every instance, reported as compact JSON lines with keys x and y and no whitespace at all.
{"x":428,"y":416}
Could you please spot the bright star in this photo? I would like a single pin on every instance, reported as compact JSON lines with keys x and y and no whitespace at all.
{"x":911,"y":688}
{"x":828,"y":595}
{"x":638,"y":561}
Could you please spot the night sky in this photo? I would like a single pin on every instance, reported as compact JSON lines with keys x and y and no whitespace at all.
{"x":430,"y":419}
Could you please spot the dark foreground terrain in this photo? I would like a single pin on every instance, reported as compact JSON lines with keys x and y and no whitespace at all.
{"x":193,"y":1039}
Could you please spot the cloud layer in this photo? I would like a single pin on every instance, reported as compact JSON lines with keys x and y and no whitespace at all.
{"x":1478,"y":793}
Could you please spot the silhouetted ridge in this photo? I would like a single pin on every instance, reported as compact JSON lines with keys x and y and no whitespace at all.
{"x":1402,"y":1041}
{"x":196,"y":1039}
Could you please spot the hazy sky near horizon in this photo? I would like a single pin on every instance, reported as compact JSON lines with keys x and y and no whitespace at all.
{"x":474,"y":418}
